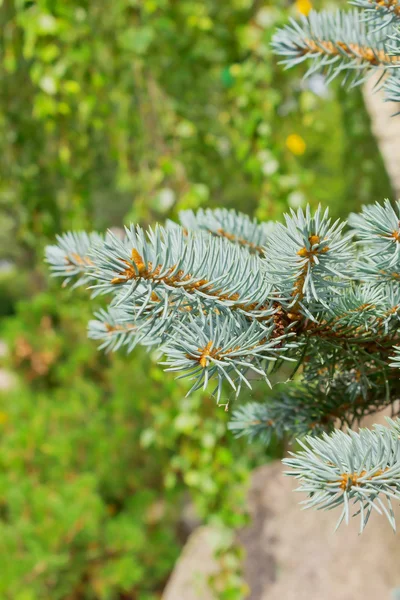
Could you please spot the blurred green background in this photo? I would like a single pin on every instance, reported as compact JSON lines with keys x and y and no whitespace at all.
{"x":130,"y":110}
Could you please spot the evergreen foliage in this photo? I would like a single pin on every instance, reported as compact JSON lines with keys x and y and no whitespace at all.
{"x":354,"y":43}
{"x":224,"y":309}
{"x":360,"y":467}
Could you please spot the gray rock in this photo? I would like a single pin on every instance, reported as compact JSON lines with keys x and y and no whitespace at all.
{"x":386,"y":130}
{"x":196,"y":563}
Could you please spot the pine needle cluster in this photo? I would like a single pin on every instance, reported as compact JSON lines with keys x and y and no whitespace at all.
{"x":227,"y":300}
{"x":353,"y":43}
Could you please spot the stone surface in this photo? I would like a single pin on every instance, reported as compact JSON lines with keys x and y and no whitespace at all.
{"x":189,"y":578}
{"x":386,"y":130}
{"x":294,"y":554}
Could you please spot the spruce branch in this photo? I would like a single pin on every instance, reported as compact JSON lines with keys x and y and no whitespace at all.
{"x":219,"y":310}
{"x":343,"y":469}
{"x":236,"y":227}
{"x":395,"y":358}
{"x":121,"y":327}
{"x":337,"y":42}
{"x":375,"y":271}
{"x":296,"y":412}
{"x":360,"y":311}
{"x":379,"y":226}
{"x":114,"y":328}
{"x":306,"y":259}
{"x":378,"y":229}
{"x":70,"y":258}
{"x":319,"y":404}
{"x":210,"y":271}
{"x":392,"y":88}
{"x":381,"y":12}
{"x":225,"y":346}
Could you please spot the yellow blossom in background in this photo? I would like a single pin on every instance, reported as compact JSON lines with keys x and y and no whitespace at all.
{"x":3,"y":418}
{"x":296,"y":144}
{"x":235,"y":69}
{"x":303,"y":6}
